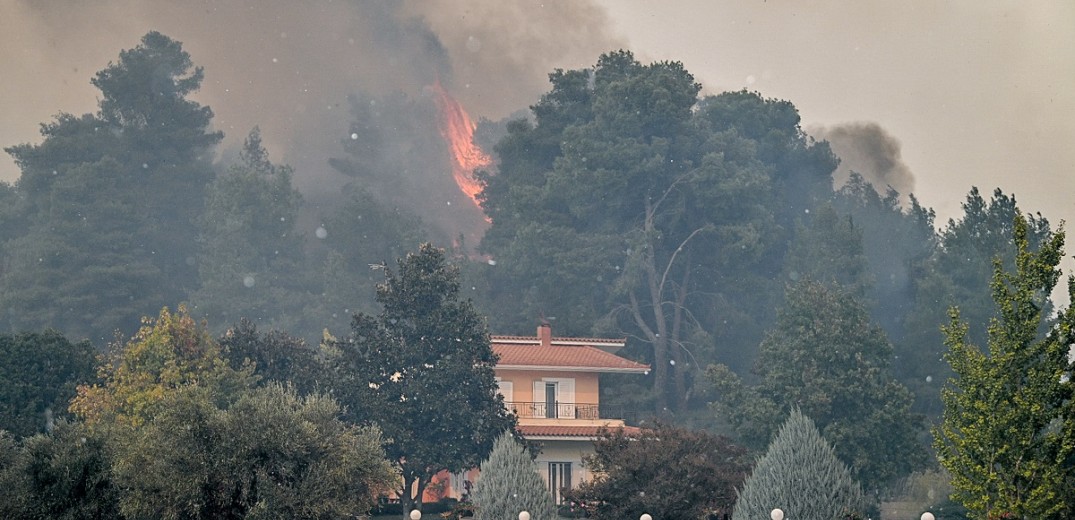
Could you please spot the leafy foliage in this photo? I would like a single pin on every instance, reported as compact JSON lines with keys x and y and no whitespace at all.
{"x":1007,"y":436}
{"x":362,"y":235}
{"x":276,"y":356}
{"x":829,"y":250}
{"x":423,"y":371}
{"x":801,"y":475}
{"x":510,"y":483}
{"x":65,"y":474}
{"x":630,"y":204}
{"x":272,"y":454}
{"x":89,"y":264}
{"x":958,"y":274}
{"x":897,"y":240}
{"x":168,"y":353}
{"x":667,"y":472}
{"x":251,"y":256}
{"x":825,"y":357}
{"x":12,"y":481}
{"x":38,"y":375}
{"x":174,"y":432}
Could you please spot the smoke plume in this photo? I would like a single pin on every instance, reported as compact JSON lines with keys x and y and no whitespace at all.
{"x":866,"y":148}
{"x":290,"y":67}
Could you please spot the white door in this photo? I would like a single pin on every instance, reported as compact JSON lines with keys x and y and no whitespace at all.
{"x":554,"y":398}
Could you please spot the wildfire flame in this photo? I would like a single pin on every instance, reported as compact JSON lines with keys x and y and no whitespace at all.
{"x":458,"y":131}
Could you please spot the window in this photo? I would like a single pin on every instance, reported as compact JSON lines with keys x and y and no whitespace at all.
{"x":506,"y":389}
{"x":559,"y":479}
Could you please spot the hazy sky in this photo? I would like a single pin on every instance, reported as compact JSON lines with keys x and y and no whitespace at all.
{"x":976,"y":92}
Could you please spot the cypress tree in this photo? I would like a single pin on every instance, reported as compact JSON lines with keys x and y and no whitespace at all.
{"x":509,"y":483}
{"x":801,"y":475}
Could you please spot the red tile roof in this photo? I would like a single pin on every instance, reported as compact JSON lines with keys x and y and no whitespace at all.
{"x":570,"y":431}
{"x":581,"y":358}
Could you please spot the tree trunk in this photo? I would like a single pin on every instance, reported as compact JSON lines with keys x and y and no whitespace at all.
{"x":409,"y":502}
{"x":405,"y":499}
{"x":660,"y":356}
{"x":423,"y":481}
{"x":655,"y":284}
{"x":679,"y":370}
{"x":662,"y":335}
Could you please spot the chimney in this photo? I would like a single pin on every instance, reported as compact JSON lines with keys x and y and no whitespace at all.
{"x":544,"y":334}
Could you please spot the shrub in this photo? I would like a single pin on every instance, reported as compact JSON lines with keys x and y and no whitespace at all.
{"x":801,"y":475}
{"x":509,"y":483}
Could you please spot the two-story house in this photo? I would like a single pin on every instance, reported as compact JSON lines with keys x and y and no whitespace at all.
{"x":551,"y":384}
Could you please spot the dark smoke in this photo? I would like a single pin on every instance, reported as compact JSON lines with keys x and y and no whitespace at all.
{"x":869,"y":150}
{"x":290,"y":67}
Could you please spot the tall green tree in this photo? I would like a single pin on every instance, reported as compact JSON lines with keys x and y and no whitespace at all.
{"x":13,"y":221}
{"x":828,"y":249}
{"x":666,"y":471}
{"x":422,"y":370}
{"x":1007,"y":436}
{"x":629,"y":205}
{"x":897,"y":240}
{"x":824,"y":356}
{"x":510,"y":484}
{"x":958,"y":274}
{"x":250,"y":264}
{"x":359,"y":237}
{"x":111,"y":199}
{"x":39,"y":372}
{"x":801,"y":475}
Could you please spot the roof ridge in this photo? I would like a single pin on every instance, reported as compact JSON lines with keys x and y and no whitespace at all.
{"x":562,"y":338}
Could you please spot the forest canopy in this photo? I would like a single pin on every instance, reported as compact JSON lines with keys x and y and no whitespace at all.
{"x":705,"y":228}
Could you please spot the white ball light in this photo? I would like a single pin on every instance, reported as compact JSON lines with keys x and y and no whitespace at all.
{"x":524,"y":515}
{"x":928,"y":516}
{"x":777,"y":514}
{"x":645,"y":516}
{"x":416,"y":514}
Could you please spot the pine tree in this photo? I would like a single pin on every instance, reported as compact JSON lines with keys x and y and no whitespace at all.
{"x":825,"y":356}
{"x":110,"y":201}
{"x":828,"y":247}
{"x":251,"y":256}
{"x":510,"y":483}
{"x":801,"y":475}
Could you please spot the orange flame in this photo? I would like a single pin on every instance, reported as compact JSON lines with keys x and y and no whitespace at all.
{"x":458,"y":131}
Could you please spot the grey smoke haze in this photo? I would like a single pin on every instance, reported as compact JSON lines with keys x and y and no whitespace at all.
{"x":289,"y":66}
{"x":866,"y":148}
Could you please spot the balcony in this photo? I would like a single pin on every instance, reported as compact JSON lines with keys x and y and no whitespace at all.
{"x":555,"y":410}
{"x":586,"y":411}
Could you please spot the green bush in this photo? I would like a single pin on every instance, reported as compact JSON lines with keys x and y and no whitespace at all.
{"x":801,"y":475}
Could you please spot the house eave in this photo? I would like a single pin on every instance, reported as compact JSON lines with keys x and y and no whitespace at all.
{"x":580,"y":438}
